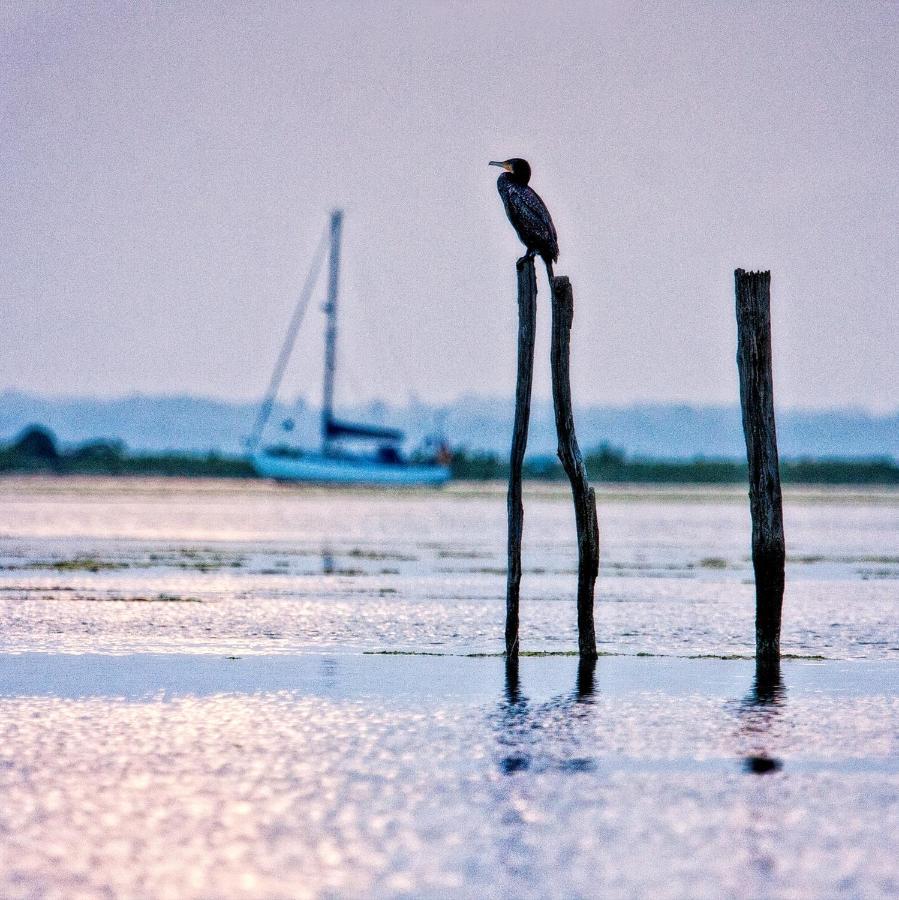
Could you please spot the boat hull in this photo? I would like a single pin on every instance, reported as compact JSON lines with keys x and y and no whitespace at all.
{"x":317,"y":469}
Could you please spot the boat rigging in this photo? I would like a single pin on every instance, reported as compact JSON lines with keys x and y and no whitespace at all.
{"x":381,"y":462}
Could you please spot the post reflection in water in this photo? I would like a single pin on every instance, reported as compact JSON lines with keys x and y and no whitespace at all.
{"x":545,"y":735}
{"x":513,"y":722}
{"x":537,"y":737}
{"x":759,"y":713}
{"x":513,"y":681}
{"x":586,"y":679}
{"x":767,"y":686}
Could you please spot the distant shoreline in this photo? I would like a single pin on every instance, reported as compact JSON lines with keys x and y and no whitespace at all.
{"x":671,"y":431}
{"x":36,"y":451}
{"x":483,"y":469}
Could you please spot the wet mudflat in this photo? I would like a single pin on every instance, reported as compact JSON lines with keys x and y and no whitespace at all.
{"x":225,"y":689}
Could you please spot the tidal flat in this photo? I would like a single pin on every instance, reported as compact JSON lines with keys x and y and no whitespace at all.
{"x":216,"y":688}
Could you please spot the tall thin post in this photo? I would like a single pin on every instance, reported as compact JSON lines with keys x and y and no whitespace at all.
{"x":527,"y":324}
{"x":573,"y":463}
{"x":766,"y":506}
{"x":331,"y":330}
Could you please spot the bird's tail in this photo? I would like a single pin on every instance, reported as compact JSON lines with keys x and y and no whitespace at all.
{"x":550,"y":276}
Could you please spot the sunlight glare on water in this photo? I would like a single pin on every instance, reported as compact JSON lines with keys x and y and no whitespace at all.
{"x":199,"y":696}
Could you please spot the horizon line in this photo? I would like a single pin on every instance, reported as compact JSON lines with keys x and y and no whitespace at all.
{"x":461,"y":399}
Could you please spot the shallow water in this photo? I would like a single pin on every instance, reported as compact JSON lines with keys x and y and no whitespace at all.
{"x":281,"y":570}
{"x":205,"y":691}
{"x":410,"y":776}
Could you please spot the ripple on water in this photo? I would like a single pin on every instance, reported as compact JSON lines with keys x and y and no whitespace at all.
{"x":280,"y":794}
{"x":393,"y":779}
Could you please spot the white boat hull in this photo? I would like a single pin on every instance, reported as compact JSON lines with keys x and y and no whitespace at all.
{"x":317,"y":469}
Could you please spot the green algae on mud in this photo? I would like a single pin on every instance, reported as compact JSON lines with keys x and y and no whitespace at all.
{"x":78,"y":564}
{"x":118,"y":598}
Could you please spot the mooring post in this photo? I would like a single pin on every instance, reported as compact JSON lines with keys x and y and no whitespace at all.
{"x":573,"y":463}
{"x":527,"y":324}
{"x":757,"y":401}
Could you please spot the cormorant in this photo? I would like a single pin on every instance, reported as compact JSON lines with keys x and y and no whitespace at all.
{"x":526,"y":211}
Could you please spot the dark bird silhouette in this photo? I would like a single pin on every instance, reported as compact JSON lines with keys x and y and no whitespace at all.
{"x":526,"y":211}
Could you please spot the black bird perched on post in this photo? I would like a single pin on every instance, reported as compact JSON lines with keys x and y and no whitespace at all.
{"x":527,"y":212}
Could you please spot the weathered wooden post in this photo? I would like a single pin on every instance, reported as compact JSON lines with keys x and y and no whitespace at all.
{"x":573,"y":463}
{"x":527,"y":324}
{"x":569,"y":454}
{"x":757,"y":401}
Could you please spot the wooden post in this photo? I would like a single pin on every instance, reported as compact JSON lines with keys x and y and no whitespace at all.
{"x":527,"y":324}
{"x":757,"y":401}
{"x":573,"y":463}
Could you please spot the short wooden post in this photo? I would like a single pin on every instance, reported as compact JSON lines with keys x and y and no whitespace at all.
{"x":757,"y":401}
{"x":527,"y":324}
{"x":573,"y":463}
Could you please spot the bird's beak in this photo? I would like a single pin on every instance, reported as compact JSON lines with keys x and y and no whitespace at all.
{"x":502,"y":165}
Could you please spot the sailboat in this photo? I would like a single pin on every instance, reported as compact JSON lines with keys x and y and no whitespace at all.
{"x":350,"y":453}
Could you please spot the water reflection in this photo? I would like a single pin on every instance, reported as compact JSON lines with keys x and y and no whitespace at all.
{"x":586,"y":679}
{"x":537,"y":738}
{"x":327,"y":678}
{"x":767,"y":685}
{"x":550,"y":735}
{"x":513,"y":722}
{"x":760,"y":765}
{"x":758,"y":716}
{"x":513,"y":681}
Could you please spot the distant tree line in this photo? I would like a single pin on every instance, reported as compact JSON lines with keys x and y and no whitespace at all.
{"x":36,"y":451}
{"x":610,"y":464}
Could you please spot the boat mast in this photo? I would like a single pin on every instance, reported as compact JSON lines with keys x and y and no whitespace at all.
{"x":331,"y":328}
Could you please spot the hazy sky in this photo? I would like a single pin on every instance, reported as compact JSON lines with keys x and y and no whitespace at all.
{"x":166,"y":170}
